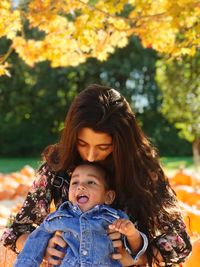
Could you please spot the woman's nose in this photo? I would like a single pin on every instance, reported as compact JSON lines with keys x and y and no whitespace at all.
{"x":91,"y":155}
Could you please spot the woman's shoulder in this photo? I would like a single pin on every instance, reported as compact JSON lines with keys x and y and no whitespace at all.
{"x":45,"y":172}
{"x":46,"y":169}
{"x":44,"y":177}
{"x":55,"y":178}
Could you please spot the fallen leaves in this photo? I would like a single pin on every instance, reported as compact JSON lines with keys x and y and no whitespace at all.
{"x":13,"y":190}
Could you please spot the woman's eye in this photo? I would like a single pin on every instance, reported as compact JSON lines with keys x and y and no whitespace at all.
{"x":103,"y":147}
{"x":81,"y":143}
{"x":74,"y":183}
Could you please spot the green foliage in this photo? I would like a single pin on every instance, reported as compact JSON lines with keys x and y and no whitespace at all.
{"x":174,"y":163}
{"x":164,"y":135}
{"x":180,"y":85}
{"x":33,"y":103}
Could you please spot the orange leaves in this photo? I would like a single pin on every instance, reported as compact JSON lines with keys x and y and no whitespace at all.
{"x":10,"y":24}
{"x":16,"y":183}
{"x":194,"y":259}
{"x":187,"y":188}
{"x":30,"y":51}
{"x":10,"y":21}
{"x":68,"y":32}
{"x":13,"y":188}
{"x":4,"y":69}
{"x":181,"y":178}
{"x":45,"y":15}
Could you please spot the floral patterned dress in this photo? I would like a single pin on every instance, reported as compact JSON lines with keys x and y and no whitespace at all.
{"x":173,"y":243}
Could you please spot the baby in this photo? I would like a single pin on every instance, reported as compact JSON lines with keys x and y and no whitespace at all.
{"x":83,"y":221}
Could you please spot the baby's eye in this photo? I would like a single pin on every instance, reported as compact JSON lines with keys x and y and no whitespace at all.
{"x":74,"y":183}
{"x":91,"y":182}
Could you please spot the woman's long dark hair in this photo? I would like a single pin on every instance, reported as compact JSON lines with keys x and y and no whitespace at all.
{"x":141,"y":186}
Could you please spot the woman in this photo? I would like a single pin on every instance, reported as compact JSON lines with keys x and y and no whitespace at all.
{"x":100,"y":126}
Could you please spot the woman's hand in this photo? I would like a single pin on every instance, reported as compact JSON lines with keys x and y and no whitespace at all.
{"x":51,"y":250}
{"x":21,"y":241}
{"x":127,"y":228}
{"x":121,"y":254}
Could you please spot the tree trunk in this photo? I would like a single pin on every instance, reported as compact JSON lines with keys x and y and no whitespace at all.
{"x":196,"y":153}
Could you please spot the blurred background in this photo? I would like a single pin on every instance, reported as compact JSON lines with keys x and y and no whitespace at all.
{"x":148,"y":50}
{"x":34,"y":102}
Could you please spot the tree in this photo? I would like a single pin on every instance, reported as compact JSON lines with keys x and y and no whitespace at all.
{"x":180,"y":85}
{"x":34,"y":102}
{"x":71,"y":31}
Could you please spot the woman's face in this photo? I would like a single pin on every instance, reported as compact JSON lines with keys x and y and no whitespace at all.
{"x":94,"y":146}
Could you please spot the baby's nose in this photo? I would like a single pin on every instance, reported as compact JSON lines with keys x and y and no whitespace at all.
{"x":81,"y":187}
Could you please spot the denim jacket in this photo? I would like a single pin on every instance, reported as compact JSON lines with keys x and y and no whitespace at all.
{"x":88,"y":244}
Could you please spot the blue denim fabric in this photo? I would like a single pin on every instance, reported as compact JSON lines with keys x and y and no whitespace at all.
{"x":85,"y":233}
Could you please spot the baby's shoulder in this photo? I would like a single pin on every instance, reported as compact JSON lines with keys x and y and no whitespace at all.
{"x":122,"y":214}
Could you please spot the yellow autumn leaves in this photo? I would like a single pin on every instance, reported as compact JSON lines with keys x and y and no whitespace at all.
{"x":10,"y":21}
{"x":70,"y":31}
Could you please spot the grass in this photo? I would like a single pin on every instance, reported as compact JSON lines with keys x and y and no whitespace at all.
{"x":170,"y":164}
{"x":176,"y":162}
{"x":15,"y":164}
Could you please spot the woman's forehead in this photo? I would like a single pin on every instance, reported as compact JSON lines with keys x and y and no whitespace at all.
{"x":88,"y":135}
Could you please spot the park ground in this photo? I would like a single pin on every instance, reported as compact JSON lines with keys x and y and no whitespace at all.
{"x":170,"y":164}
{"x":17,"y":175}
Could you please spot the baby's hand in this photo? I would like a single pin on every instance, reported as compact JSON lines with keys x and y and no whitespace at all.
{"x":125,"y":227}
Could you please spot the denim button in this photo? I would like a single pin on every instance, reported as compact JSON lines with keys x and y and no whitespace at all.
{"x":84,"y":252}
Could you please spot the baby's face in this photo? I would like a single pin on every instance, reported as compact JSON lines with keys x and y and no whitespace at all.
{"x":87,"y":187}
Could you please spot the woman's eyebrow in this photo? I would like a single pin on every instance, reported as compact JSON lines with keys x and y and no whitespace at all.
{"x":110,"y":144}
{"x":79,"y":139}
{"x":105,"y":144}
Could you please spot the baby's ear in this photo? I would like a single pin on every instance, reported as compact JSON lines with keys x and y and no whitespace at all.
{"x":109,"y":197}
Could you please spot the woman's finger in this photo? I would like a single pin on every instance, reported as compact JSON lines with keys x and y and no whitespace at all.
{"x":52,"y":252}
{"x":58,"y":233}
{"x":117,"y":244}
{"x":121,"y":224}
{"x":117,"y":223}
{"x":116,"y":256}
{"x":54,"y":261}
{"x":57,"y":240}
{"x":111,"y":229}
{"x":115,"y":236}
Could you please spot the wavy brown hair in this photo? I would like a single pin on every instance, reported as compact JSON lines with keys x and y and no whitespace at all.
{"x":141,"y":187}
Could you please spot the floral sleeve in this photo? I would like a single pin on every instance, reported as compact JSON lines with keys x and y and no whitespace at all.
{"x":174,"y":243}
{"x":35,"y":208}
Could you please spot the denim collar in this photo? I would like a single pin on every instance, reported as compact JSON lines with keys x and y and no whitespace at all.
{"x":77,"y":211}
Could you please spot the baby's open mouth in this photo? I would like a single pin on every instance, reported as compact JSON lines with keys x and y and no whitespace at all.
{"x":82,"y":199}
